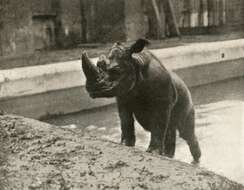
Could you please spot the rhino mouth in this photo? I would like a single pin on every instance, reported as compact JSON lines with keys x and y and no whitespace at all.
{"x":99,"y":89}
{"x":97,"y":83}
{"x":105,"y":91}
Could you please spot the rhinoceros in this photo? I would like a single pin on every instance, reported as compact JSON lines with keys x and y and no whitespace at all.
{"x":146,"y":91}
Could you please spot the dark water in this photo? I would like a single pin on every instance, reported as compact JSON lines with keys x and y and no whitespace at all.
{"x":219,"y":127}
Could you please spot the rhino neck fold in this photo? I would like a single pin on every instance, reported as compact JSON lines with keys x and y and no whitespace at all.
{"x":133,"y":82}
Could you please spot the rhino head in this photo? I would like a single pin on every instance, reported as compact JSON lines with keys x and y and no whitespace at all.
{"x":114,"y":75}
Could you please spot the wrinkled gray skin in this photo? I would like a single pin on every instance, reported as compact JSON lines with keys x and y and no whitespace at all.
{"x":146,"y":91}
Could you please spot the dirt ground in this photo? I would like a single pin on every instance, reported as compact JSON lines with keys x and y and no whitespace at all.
{"x":38,"y":156}
{"x":52,"y":56}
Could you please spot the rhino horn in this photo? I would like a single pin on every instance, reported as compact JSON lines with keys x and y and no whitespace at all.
{"x":90,"y":70}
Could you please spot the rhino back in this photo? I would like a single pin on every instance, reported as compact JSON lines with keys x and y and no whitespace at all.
{"x":156,"y":80}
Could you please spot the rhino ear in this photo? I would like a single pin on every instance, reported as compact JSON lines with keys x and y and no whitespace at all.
{"x":138,"y":45}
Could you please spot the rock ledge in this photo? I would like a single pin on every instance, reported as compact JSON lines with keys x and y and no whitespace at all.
{"x":36,"y":156}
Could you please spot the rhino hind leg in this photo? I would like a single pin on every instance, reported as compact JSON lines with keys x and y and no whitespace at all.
{"x":158,"y":128}
{"x":188,"y":134}
{"x":195,"y":149}
{"x":155,"y":145}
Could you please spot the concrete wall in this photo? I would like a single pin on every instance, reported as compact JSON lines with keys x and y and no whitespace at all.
{"x":15,"y":27}
{"x":110,"y":20}
{"x":235,"y":14}
{"x":43,"y":32}
{"x":27,"y":25}
{"x":205,"y":16}
{"x":40,"y":91}
{"x":69,"y":16}
{"x":58,"y":22}
{"x":135,"y":25}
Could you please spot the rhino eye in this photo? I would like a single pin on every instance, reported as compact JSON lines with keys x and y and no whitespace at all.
{"x":114,"y":71}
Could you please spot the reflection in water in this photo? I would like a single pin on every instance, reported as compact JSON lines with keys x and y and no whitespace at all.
{"x":220,"y":129}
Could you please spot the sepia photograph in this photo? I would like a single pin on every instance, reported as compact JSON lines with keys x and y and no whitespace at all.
{"x":121,"y":94}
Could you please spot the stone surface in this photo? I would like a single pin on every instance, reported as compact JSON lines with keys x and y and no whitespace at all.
{"x":41,"y":156}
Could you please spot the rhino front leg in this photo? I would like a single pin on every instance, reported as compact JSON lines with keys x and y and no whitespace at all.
{"x":127,"y":126}
{"x":158,"y":127}
{"x":170,"y":141}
